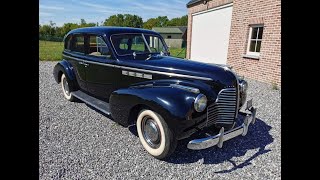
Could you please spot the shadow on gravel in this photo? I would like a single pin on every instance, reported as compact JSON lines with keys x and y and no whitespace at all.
{"x":258,"y":137}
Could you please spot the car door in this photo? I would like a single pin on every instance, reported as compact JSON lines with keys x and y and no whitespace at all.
{"x":74,"y":52}
{"x":101,"y":74}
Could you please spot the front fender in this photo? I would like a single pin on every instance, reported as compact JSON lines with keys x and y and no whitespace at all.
{"x":173,"y":104}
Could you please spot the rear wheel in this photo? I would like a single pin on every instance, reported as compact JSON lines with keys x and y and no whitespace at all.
{"x":155,"y":135}
{"x":66,"y":88}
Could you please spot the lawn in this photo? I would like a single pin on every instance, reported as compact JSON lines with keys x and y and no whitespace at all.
{"x":51,"y":51}
{"x":178,"y":52}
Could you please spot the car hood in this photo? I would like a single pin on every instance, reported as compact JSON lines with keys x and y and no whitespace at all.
{"x":220,"y":74}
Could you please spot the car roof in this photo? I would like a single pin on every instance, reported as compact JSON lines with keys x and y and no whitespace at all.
{"x":109,"y":30}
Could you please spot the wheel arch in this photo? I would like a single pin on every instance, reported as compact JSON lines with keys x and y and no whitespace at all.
{"x":134,"y":112}
{"x":64,"y":67}
{"x":125,"y":104}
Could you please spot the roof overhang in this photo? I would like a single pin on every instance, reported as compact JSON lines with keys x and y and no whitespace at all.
{"x":192,"y":2}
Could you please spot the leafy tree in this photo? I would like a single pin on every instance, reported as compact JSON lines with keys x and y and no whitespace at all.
{"x":150,"y":23}
{"x":114,"y":20}
{"x":83,"y":23}
{"x":132,"y":21}
{"x":68,"y":27}
{"x":179,"y":21}
{"x":52,"y":24}
{"x":59,"y":32}
{"x":47,"y":30}
{"x":124,"y":20}
{"x":184,"y":20}
{"x":162,"y":21}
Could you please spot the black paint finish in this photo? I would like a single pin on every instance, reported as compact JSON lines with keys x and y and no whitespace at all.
{"x":103,"y":78}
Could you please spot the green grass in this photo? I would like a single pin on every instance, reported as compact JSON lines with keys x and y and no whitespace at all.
{"x":178,"y":52}
{"x":52,"y":51}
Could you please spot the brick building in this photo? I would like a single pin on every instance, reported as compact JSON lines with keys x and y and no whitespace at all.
{"x":245,"y":34}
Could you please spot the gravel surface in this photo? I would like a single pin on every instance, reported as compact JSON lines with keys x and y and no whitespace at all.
{"x":77,"y":142}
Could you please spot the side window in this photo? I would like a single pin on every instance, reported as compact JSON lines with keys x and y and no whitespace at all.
{"x":97,"y":47}
{"x":67,"y":43}
{"x":155,"y":43}
{"x":138,"y":44}
{"x":77,"y":43}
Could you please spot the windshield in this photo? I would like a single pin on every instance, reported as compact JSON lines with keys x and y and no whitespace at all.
{"x":129,"y":44}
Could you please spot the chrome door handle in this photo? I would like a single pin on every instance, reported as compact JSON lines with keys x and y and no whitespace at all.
{"x":84,"y":63}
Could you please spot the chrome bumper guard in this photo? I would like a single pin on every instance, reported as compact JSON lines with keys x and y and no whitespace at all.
{"x":218,"y":139}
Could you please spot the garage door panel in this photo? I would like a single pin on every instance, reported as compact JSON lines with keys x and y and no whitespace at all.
{"x":210,"y":35}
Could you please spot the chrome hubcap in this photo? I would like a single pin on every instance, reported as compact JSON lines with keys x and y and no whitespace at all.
{"x":65,"y":86}
{"x":151,"y":132}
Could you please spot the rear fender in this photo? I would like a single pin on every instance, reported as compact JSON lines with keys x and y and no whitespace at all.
{"x":66,"y":68}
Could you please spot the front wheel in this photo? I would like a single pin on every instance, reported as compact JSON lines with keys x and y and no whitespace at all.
{"x":155,"y":135}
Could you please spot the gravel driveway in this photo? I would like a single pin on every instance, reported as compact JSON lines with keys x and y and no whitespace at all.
{"x":77,"y":142}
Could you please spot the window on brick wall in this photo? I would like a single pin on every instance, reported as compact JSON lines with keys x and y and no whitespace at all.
{"x":255,"y":39}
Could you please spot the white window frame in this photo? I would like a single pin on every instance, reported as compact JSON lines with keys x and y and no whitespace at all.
{"x":249,"y":40}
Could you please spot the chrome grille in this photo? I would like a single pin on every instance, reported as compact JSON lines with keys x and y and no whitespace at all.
{"x":224,"y":109}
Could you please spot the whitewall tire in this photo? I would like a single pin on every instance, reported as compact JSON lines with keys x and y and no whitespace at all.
{"x":154,"y":134}
{"x":66,"y":88}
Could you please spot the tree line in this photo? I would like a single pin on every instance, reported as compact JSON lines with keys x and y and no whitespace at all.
{"x":123,"y":20}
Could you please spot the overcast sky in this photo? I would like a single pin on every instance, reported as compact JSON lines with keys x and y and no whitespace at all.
{"x":62,"y":11}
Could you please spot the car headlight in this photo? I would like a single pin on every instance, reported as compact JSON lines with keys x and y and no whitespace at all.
{"x":243,"y":86}
{"x":200,"y":103}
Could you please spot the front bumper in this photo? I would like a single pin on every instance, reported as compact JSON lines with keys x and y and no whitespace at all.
{"x":203,"y":143}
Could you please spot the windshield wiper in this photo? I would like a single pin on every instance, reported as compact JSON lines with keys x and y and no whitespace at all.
{"x":149,"y":56}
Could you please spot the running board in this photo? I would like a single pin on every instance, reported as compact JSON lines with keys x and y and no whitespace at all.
{"x":92,"y":101}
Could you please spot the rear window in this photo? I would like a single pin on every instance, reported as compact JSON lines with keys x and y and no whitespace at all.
{"x":67,"y":43}
{"x":76,"y":43}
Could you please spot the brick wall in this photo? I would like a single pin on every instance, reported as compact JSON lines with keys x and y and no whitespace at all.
{"x":245,"y":13}
{"x":268,"y":13}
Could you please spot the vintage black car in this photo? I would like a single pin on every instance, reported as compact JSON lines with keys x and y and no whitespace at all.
{"x":128,"y":74}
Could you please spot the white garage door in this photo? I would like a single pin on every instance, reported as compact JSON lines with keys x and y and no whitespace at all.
{"x":210,"y":35}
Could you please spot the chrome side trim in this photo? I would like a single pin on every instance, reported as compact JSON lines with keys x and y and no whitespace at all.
{"x":187,"y":88}
{"x":98,"y":63}
{"x":165,"y":73}
{"x":91,"y":62}
{"x":143,"y":70}
{"x":136,"y":74}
